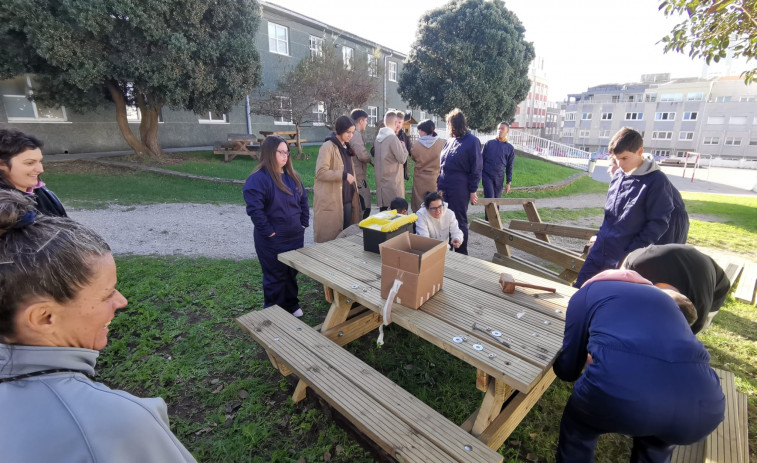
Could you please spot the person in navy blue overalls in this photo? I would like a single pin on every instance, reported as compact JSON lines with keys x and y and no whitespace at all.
{"x":277,"y":203}
{"x":460,"y":171}
{"x":647,"y":375}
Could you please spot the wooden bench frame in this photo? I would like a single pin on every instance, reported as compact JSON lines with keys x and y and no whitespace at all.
{"x":402,"y":425}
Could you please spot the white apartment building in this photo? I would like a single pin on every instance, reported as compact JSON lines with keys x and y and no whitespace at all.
{"x":531,"y":113}
{"x":714,"y":116}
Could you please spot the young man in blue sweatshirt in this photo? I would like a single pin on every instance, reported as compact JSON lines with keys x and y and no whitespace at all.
{"x":640,"y":209}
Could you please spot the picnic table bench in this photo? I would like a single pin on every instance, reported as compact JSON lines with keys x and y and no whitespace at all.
{"x":402,"y":425}
{"x":236,"y":144}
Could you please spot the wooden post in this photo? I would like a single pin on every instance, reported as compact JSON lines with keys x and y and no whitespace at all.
{"x":495,"y":397}
{"x":533,"y":216}
{"x":492,"y":212}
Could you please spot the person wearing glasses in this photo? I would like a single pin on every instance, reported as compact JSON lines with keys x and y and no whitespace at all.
{"x":437,"y":221}
{"x":277,"y":203}
{"x":335,"y":197}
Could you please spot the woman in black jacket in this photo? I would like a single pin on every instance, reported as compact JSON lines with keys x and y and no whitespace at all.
{"x":20,"y":168}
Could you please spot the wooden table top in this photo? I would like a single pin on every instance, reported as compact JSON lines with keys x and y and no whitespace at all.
{"x":531,"y":322}
{"x":291,"y":133}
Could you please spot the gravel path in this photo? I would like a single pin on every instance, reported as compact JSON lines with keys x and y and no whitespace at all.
{"x":225,"y":231}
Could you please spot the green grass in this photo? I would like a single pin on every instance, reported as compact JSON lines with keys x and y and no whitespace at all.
{"x":739,"y":231}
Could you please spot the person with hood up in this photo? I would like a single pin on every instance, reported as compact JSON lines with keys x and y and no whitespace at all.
{"x":638,"y":210}
{"x":436,"y":221}
{"x":426,"y":152}
{"x":335,"y":198}
{"x":390,"y":155}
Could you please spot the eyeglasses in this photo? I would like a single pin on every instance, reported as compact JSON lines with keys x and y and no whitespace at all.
{"x":283,"y":152}
{"x":437,"y":208}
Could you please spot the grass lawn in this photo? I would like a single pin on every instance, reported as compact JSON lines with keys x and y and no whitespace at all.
{"x":738,"y":233}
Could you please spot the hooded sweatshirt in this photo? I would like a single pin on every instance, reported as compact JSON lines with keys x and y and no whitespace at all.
{"x":428,"y":140}
{"x":443,"y":228}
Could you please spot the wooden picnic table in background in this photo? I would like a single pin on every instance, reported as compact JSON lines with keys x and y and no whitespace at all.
{"x":236,"y":144}
{"x":513,"y":369}
{"x":291,"y":140}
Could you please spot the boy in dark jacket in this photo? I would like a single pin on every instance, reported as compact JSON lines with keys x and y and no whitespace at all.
{"x":639,"y":208}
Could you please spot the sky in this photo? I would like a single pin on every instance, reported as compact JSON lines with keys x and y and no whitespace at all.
{"x":583,"y":42}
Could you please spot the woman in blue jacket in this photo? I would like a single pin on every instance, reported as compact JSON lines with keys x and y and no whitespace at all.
{"x":460,"y":171}
{"x":277,"y":203}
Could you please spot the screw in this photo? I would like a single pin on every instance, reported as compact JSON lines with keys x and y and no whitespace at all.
{"x":340,"y":334}
{"x":487,"y":331}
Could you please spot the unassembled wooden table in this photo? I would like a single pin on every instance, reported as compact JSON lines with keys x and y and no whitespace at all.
{"x":513,"y":345}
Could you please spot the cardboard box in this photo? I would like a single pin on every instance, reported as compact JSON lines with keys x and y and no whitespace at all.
{"x":417,"y":261}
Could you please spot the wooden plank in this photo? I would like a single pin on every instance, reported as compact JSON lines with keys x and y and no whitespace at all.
{"x":334,"y":373}
{"x":743,"y":426}
{"x":495,"y":397}
{"x":553,"y":229}
{"x":722,"y":445}
{"x":566,"y":259}
{"x":733,"y":270}
{"x":518,"y":263}
{"x":354,"y":328}
{"x":747,"y":283}
{"x":492,"y":214}
{"x":533,"y":216}
{"x":693,"y":453}
{"x":505,"y":201}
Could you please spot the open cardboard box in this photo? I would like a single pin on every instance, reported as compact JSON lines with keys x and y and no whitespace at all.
{"x":418,"y":262}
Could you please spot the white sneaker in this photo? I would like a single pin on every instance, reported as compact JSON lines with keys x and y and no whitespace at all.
{"x":298,"y":313}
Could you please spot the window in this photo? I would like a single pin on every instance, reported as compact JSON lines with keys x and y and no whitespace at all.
{"x":583,"y":134}
{"x":716,"y":120}
{"x":680,"y":154}
{"x":737,"y":120}
{"x":753,"y":142}
{"x":711,"y":140}
{"x":733,"y":141}
{"x":319,"y":113}
{"x":391,"y":71}
{"x":664,"y":116}
{"x":615,"y":98}
{"x":690,"y":116}
{"x":568,"y":132}
{"x":211,"y":117}
{"x":665,"y":153}
{"x":634,"y":116}
{"x":748,"y":98}
{"x":586,"y":116}
{"x":284,"y":113}
{"x":570,"y":116}
{"x":606,"y":116}
{"x":662,"y":135}
{"x":671,"y":97}
{"x":316,"y":47}
{"x":372,"y":65}
{"x":347,"y":53}
{"x":722,"y":99}
{"x":650,"y":97}
{"x":20,"y":109}
{"x":604,"y":134}
{"x":695,"y":96}
{"x":278,"y":39}
{"x":372,"y":116}
{"x":685,"y":135}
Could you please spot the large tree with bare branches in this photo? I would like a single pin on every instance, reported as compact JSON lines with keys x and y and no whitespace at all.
{"x":192,"y":55}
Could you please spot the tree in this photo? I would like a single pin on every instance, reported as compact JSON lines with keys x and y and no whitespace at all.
{"x":472,"y":55}
{"x":187,"y":54}
{"x":713,"y":27}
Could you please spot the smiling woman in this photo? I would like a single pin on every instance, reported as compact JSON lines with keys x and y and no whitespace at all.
{"x":57,"y":298}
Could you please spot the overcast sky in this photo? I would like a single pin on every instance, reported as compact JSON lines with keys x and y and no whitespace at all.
{"x":583,"y":42}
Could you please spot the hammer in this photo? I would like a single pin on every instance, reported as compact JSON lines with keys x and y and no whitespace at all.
{"x":508,"y":284}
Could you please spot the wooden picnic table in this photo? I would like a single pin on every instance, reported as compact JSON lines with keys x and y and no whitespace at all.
{"x":236,"y":144}
{"x":513,"y":369}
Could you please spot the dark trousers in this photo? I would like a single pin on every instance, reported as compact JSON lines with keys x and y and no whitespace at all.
{"x":347,"y":218}
{"x":279,"y":280}
{"x":457,"y":201}
{"x":493,"y":186}
{"x":382,"y":209}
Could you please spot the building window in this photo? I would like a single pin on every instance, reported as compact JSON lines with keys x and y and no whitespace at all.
{"x":372,"y":116}
{"x":316,"y":47}
{"x":662,"y":135}
{"x":278,"y":39}
{"x":664,"y":116}
{"x":372,"y":66}
{"x":568,"y":133}
{"x":586,"y":116}
{"x":391,"y":71}
{"x":711,"y":140}
{"x":722,"y":99}
{"x":733,"y":141}
{"x":570,"y":116}
{"x":685,"y":135}
{"x":319,"y":113}
{"x":748,"y":98}
{"x":284,"y":112}
{"x":606,"y":116}
{"x":690,"y":116}
{"x":696,"y":96}
{"x":680,"y":154}
{"x":671,"y":97}
{"x":211,"y":117}
{"x":583,"y":133}
{"x":716,"y":120}
{"x":604,"y":134}
{"x":347,"y":53}
{"x":20,"y":109}
{"x":737,"y":120}
{"x":664,"y":153}
{"x":615,"y":98}
{"x":753,"y":142}
{"x":634,"y":116}
{"x":650,"y":97}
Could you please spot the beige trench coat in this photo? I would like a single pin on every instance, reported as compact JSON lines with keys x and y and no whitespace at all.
{"x":360,"y":162}
{"x":426,"y":172}
{"x":328,"y":213}
{"x":391,"y":154}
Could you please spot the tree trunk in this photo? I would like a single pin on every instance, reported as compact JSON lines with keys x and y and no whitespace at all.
{"x":299,"y":143}
{"x":123,"y":124}
{"x":148,"y":127}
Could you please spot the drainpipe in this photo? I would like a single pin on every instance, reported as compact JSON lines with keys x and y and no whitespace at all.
{"x":247,"y":114}
{"x":386,"y":71}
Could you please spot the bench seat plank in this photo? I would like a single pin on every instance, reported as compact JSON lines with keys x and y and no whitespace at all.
{"x":747,"y":283}
{"x":553,"y":229}
{"x":401,"y":424}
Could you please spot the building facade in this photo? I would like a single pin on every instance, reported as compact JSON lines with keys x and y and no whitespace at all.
{"x":713,"y":116}
{"x":531,"y":113}
{"x":284,"y":38}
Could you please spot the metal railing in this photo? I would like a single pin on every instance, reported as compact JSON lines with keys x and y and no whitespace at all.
{"x":556,"y":152}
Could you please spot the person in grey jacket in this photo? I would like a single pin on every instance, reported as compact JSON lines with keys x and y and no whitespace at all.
{"x":57,"y":297}
{"x":436,"y":221}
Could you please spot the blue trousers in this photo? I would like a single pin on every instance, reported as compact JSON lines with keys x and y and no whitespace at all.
{"x":457,"y":200}
{"x":493,"y":186}
{"x":279,"y":280}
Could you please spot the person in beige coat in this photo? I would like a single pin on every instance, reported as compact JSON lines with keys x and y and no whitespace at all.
{"x":335,"y":199}
{"x":426,"y":152}
{"x":361,"y":160}
{"x":391,"y":154}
